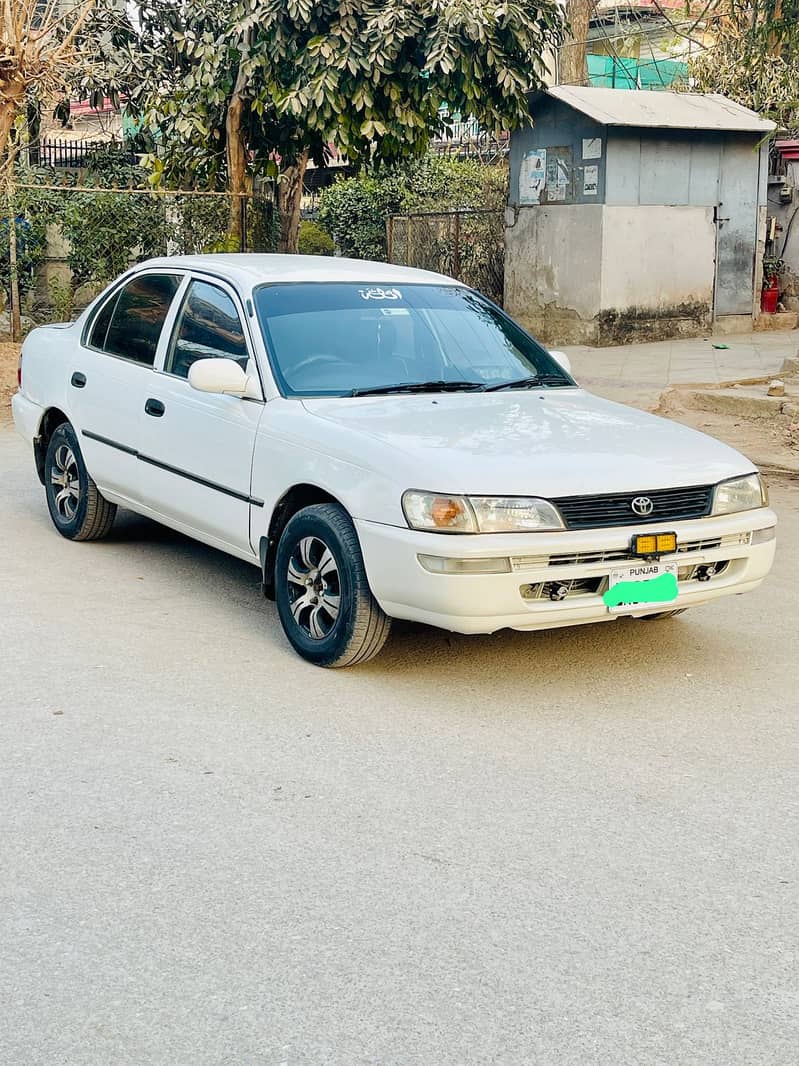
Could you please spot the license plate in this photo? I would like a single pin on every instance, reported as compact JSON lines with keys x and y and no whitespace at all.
{"x":631,"y":586}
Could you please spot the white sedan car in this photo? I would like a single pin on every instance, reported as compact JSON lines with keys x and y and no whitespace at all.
{"x":382,"y":443}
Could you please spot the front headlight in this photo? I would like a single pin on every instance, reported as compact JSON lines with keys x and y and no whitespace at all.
{"x":739,"y":494}
{"x":479,"y":514}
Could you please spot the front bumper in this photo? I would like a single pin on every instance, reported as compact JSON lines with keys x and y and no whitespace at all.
{"x":484,"y":603}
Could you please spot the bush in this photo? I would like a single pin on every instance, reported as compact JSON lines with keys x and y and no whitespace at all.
{"x":354,"y":210}
{"x":31,"y":247}
{"x":313,"y":240}
{"x":107,"y":231}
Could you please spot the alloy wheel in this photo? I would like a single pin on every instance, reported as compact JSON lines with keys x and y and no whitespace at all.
{"x":314,"y":587}
{"x":65,"y":478}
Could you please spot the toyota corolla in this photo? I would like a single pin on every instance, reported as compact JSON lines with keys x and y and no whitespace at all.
{"x":381,"y":443}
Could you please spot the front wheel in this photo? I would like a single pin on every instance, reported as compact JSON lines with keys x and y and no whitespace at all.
{"x":78,"y":510}
{"x":323,"y":597}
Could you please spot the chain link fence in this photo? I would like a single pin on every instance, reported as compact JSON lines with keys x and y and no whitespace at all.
{"x":61,"y":244}
{"x":467,"y":245}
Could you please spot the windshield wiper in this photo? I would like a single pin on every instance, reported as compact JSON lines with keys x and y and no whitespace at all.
{"x":421,"y":386}
{"x":529,"y":382}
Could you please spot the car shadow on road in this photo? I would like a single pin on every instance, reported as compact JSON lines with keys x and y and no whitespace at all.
{"x":591,"y":655}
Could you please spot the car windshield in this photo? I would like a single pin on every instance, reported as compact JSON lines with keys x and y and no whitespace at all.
{"x":353,"y":339}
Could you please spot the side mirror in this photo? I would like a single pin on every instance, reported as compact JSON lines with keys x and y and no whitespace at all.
{"x":562,"y":360}
{"x":222,"y":376}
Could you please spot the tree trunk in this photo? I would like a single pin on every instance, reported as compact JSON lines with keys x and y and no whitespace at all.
{"x":12,"y":103}
{"x":16,"y":311}
{"x":572,"y":65}
{"x":239,"y":184}
{"x":289,"y":196}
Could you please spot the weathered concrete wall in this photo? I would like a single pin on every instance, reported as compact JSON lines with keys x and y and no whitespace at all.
{"x":552,"y":270}
{"x":599,"y":274}
{"x":656,"y":272}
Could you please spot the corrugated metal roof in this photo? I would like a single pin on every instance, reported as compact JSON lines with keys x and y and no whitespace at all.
{"x":660,"y":109}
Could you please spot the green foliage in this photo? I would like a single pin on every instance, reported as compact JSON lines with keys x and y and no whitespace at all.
{"x":196,"y":224}
{"x":369,"y":77}
{"x":773,"y":266}
{"x":755,"y":59}
{"x":314,"y":240}
{"x":107,"y":231}
{"x":31,"y":247}
{"x":354,"y":211}
{"x":62,"y":299}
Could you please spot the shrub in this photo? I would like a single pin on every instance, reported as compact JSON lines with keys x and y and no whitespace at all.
{"x":313,"y":240}
{"x":354,"y":210}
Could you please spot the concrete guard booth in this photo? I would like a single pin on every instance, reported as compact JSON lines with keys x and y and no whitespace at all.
{"x":635,"y":215}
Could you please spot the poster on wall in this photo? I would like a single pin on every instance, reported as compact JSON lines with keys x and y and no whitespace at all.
{"x":532,"y":176}
{"x":592,"y":147}
{"x":590,"y":181}
{"x":557,"y":178}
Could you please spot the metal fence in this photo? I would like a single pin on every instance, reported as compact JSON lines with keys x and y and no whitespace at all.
{"x":467,"y":245}
{"x":58,"y":152}
{"x":68,"y":241}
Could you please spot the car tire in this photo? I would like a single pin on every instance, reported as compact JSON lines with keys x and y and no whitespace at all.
{"x":661,"y":615}
{"x":78,"y":510}
{"x":325,"y":605}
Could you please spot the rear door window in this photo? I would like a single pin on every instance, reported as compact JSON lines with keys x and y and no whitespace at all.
{"x":137,"y":318}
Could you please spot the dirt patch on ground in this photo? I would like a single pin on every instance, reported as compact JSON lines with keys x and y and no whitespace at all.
{"x":9,"y":358}
{"x":771,"y":443}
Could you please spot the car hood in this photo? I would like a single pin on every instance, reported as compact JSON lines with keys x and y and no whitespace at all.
{"x":547,"y":442}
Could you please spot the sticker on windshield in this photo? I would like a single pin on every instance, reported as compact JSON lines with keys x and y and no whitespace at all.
{"x":393,"y":312}
{"x":376,"y":293}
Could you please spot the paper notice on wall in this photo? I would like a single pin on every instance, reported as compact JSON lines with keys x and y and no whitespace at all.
{"x":592,"y":147}
{"x":590,"y":181}
{"x":557,"y":178}
{"x":532,"y":176}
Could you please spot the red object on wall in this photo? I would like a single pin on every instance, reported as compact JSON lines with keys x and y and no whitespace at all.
{"x":770,"y":297}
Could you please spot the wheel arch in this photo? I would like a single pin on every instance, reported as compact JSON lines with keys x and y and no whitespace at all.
{"x":52,"y":418}
{"x":293,"y":500}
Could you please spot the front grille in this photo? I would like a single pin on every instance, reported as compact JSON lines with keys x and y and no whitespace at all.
{"x":669,"y":505}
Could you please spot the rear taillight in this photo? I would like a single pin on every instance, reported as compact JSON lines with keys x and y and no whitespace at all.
{"x":19,"y":372}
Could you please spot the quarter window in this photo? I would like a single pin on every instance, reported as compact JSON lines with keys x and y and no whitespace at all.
{"x":138,"y":318}
{"x":208,"y":327}
{"x":102,"y":322}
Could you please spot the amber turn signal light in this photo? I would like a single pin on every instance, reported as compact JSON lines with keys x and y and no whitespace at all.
{"x":648,"y":544}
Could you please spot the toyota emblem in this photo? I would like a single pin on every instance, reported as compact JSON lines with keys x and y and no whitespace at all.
{"x":642,"y":505}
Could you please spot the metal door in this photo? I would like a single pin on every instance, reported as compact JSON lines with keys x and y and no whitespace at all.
{"x":736,"y":227}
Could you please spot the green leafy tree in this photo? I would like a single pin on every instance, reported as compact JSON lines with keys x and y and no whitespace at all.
{"x":256,"y":88}
{"x":754,"y":58}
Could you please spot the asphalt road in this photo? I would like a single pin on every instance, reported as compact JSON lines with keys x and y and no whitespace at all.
{"x":567,"y":848}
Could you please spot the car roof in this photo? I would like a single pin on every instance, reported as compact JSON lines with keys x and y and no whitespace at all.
{"x":248,"y":269}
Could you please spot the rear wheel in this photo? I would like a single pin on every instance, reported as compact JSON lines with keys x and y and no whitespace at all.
{"x":76,"y":507}
{"x":323,"y":597}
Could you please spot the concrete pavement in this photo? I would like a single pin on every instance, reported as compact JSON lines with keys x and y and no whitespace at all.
{"x":638,"y":373}
{"x":568,"y":848}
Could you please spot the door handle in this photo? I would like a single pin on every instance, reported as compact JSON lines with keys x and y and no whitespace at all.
{"x":78,"y":379}
{"x":154,"y":408}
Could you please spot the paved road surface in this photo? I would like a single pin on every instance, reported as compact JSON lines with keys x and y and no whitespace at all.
{"x":566,"y":848}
